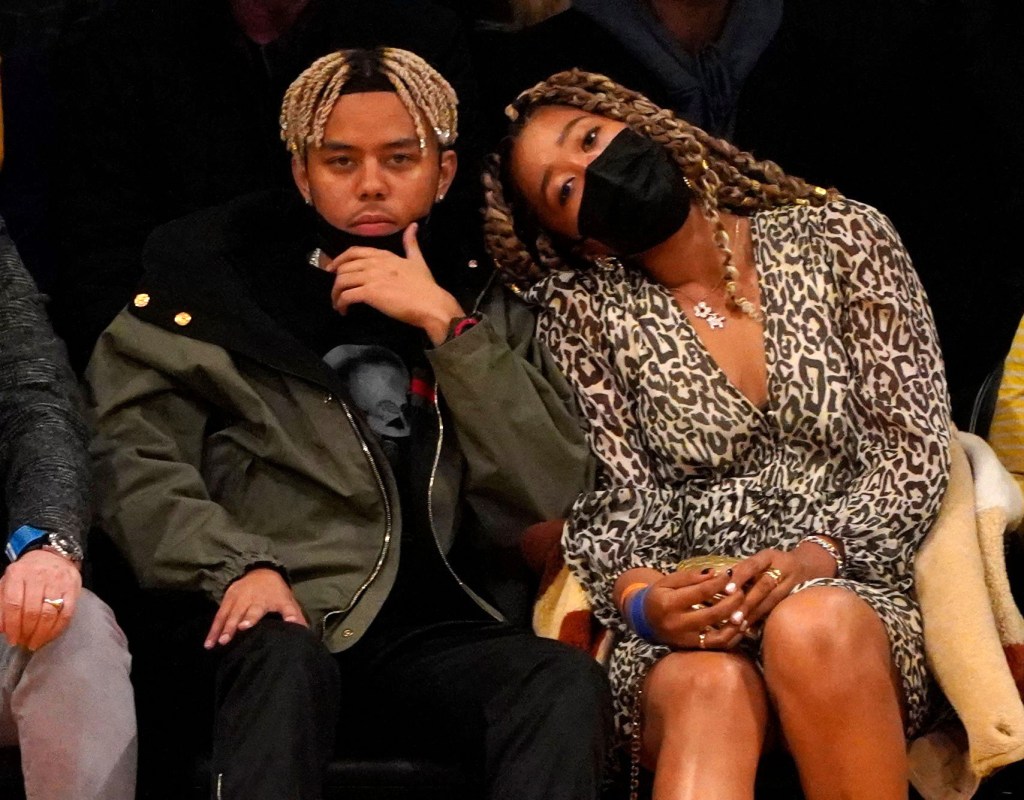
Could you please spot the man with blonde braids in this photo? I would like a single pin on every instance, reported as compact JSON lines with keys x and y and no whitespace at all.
{"x":303,"y":430}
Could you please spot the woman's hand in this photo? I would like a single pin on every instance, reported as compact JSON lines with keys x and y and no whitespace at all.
{"x":675,"y":609}
{"x":768,"y":577}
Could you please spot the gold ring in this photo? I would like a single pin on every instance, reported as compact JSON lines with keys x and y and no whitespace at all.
{"x":56,"y":602}
{"x":775,"y":574}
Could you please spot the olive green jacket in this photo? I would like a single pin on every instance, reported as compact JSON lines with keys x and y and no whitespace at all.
{"x":221,"y":443}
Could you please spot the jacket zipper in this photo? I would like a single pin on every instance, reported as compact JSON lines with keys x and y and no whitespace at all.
{"x":430,"y":491}
{"x":387,"y":519}
{"x":430,"y":485}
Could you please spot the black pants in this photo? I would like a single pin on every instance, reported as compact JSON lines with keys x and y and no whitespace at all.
{"x":529,"y":716}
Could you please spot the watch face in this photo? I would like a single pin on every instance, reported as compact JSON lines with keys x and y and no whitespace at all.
{"x":68,"y":548}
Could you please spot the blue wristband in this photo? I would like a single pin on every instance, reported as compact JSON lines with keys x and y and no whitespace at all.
{"x":21,"y":539}
{"x":636,"y":616}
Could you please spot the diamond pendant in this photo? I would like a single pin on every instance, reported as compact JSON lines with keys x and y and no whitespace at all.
{"x":703,"y":311}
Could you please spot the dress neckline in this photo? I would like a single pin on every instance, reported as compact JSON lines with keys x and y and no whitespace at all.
{"x":684,"y":323}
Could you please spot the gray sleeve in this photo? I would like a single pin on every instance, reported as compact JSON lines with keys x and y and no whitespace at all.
{"x":44,"y":464}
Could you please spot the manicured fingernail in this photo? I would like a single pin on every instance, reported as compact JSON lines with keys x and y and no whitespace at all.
{"x":208,"y":644}
{"x":224,"y":639}
{"x":705,"y":571}
{"x":730,"y":588}
{"x":736,"y":618}
{"x":729,"y":572}
{"x":744,"y":626}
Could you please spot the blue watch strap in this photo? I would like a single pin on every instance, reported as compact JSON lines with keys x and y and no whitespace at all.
{"x":21,"y":539}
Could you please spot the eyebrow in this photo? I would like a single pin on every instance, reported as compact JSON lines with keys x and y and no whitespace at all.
{"x":560,"y":141}
{"x":409,"y":141}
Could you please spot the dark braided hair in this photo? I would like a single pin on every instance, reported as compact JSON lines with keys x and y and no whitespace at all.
{"x":720,"y":175}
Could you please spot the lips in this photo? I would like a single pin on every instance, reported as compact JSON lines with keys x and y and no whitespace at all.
{"x":372,"y":224}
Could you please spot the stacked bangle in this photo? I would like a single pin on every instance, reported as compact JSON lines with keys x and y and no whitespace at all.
{"x":827,"y":545}
{"x":634,"y":612}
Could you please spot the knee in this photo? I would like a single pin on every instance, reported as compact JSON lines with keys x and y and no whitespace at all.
{"x":82,"y":676}
{"x":276,"y":643}
{"x":567,"y":684}
{"x":572,"y":676}
{"x":818,"y":633}
{"x":275,"y":652}
{"x":92,"y":651}
{"x":708,"y":678}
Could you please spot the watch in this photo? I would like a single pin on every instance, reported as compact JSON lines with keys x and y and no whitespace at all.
{"x":28,"y":538}
{"x":64,"y":546}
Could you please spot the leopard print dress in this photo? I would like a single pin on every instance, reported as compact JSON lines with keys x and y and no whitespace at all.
{"x":854,"y":439}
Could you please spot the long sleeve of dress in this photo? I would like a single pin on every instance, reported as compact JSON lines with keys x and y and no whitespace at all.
{"x":897,"y":404}
{"x":630,"y":520}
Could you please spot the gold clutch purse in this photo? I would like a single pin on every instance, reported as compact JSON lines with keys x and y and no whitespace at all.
{"x":709,"y":561}
{"x":717,"y":562}
{"x":712,"y":560}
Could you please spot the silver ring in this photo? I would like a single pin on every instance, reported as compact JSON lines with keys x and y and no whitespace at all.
{"x":56,"y":602}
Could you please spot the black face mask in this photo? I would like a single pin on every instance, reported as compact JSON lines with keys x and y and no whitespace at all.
{"x":334,"y":241}
{"x":634,"y":196}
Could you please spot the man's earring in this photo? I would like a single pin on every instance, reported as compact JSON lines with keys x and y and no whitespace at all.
{"x":309,"y":200}
{"x":440,"y":197}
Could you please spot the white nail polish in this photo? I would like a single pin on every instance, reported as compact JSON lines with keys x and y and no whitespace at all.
{"x":730,"y":588}
{"x":737,"y":617}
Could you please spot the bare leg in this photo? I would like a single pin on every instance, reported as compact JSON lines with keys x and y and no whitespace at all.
{"x":830,"y":676}
{"x":705,"y":715}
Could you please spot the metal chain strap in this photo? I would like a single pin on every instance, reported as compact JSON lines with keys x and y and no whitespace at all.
{"x":635,"y":742}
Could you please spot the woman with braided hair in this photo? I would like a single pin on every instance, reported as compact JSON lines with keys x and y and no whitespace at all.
{"x":759,"y":371}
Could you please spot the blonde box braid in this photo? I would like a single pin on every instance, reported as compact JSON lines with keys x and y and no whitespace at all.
{"x":426,"y":95}
{"x":719,"y":174}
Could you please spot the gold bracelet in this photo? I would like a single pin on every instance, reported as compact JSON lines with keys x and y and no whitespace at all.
{"x":829,"y":548}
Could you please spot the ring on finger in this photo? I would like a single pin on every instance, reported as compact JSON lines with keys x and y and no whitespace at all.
{"x":56,"y":602}
{"x":702,"y":639}
{"x":775,"y":574}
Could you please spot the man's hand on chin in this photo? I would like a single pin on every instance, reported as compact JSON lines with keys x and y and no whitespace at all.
{"x":402,"y":288}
